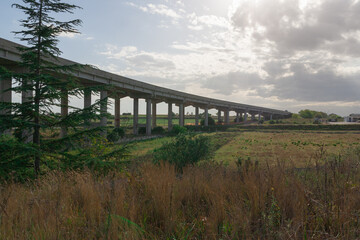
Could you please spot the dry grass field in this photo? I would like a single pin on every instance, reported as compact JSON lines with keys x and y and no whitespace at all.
{"x":261,"y":185}
{"x":296,"y":147}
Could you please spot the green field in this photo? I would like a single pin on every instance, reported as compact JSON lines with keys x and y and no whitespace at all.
{"x":297,"y":147}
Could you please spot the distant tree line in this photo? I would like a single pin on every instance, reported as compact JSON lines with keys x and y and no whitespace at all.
{"x":311,"y":114}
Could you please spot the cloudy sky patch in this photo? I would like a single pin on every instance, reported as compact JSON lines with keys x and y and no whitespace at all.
{"x":285,"y":54}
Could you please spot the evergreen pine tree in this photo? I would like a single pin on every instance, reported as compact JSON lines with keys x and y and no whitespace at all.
{"x":45,"y":80}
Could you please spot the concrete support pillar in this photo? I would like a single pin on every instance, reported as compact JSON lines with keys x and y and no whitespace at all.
{"x":170,"y":117}
{"x":148,"y":117}
{"x":64,"y":111}
{"x":227,"y":117}
{"x":245,"y":116}
{"x":117,"y":112}
{"x":271,"y":117}
{"x":196,"y":116}
{"x":87,"y":104}
{"x":219,"y":116}
{"x":181,"y":114}
{"x":103,"y":110}
{"x":136,"y":116}
{"x":253,"y":117}
{"x":27,"y":98}
{"x":5,"y":97}
{"x":259,"y":117}
{"x":154,"y":114}
{"x":206,"y":122}
{"x":237,"y":117}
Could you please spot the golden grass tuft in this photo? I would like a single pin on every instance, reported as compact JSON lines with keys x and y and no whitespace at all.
{"x":205,"y":202}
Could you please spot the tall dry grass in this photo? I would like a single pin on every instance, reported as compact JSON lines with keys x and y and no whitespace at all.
{"x":206,"y":202}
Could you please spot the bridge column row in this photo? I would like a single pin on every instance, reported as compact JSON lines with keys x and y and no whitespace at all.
{"x":151,"y":110}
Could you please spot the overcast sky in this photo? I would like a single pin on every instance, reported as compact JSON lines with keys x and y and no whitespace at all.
{"x":284,"y":54}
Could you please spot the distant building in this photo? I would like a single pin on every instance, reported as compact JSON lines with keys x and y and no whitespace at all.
{"x":352,"y":118}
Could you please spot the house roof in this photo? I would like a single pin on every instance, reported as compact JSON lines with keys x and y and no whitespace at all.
{"x":355,"y":115}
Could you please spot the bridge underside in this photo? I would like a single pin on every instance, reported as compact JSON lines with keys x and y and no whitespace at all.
{"x":118,"y":87}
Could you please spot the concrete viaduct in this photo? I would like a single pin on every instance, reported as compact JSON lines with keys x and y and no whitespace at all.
{"x":10,"y":56}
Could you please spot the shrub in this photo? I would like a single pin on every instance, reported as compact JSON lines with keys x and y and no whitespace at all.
{"x":116,"y":134}
{"x":158,"y":130}
{"x":178,"y":129}
{"x":211,"y":121}
{"x":16,"y":159}
{"x":241,"y":119}
{"x":271,"y":122}
{"x":142,"y":130}
{"x":185,"y":149}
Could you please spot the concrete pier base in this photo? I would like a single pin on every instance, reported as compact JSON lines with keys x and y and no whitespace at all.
{"x":170,"y":117}
{"x":103,"y":111}
{"x":227,"y":117}
{"x":196,"y":116}
{"x":64,"y":112}
{"x":117,"y":113}
{"x":136,"y":116}
{"x":153,"y":114}
{"x":181,"y":115}
{"x":206,"y":122}
{"x":5,"y":97}
{"x":148,"y":117}
{"x":87,"y":104}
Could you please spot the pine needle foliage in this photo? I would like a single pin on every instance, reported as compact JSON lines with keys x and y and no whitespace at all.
{"x":45,"y":80}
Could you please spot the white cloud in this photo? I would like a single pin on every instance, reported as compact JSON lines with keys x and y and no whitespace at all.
{"x":200,"y":22}
{"x":68,"y":35}
{"x":273,"y":53}
{"x":159,"y":9}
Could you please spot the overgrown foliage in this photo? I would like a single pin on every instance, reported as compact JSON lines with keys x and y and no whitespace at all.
{"x":183,"y":150}
{"x":158,"y":130}
{"x":177,"y":129}
{"x":211,"y":121}
{"x":253,"y":201}
{"x":116,"y":134}
{"x":307,"y":113}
